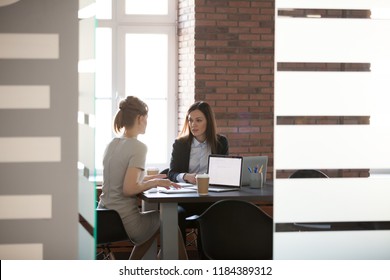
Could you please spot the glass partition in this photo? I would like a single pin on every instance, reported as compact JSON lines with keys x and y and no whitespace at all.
{"x":332,"y":66}
{"x":86,"y":132}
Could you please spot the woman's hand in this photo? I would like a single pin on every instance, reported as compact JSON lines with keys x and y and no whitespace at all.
{"x":190,"y":178}
{"x":166,"y":184}
{"x":133,"y":186}
{"x":157,"y":176}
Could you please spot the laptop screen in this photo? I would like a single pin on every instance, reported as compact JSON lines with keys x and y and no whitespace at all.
{"x":225,"y":170}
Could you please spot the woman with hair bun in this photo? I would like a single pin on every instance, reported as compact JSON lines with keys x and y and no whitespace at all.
{"x":124,"y":177}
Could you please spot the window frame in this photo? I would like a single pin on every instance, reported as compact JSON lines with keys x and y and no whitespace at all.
{"x":171,"y":17}
{"x":122,"y":24}
{"x":172,"y":77}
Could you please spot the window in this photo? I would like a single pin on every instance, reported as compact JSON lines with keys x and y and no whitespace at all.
{"x":136,"y":55}
{"x":146,"y":7}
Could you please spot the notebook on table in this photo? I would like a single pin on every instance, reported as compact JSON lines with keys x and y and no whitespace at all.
{"x":185,"y":188}
{"x":249,"y":164}
{"x":225,"y":173}
{"x":174,"y":190}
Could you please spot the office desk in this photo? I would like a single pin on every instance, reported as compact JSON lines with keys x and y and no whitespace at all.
{"x":168,"y":211}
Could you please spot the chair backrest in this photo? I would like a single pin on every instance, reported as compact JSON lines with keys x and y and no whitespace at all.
{"x":308,"y":173}
{"x":110,"y":227}
{"x":236,"y":230}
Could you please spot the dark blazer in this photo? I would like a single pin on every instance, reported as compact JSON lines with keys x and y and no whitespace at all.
{"x":180,"y":158}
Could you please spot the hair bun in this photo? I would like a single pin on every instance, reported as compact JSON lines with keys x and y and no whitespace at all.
{"x":132,"y":103}
{"x":127,"y":103}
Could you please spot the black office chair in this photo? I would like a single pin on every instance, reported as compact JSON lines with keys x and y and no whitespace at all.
{"x":308,"y":173}
{"x":110,"y":229}
{"x":236,"y":230}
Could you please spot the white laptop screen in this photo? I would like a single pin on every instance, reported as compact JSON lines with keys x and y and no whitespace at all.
{"x":225,"y":170}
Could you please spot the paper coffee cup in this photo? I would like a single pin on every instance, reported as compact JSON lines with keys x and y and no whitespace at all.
{"x":202,"y":181}
{"x":152,"y":171}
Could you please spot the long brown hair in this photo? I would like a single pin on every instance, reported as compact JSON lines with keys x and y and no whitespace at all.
{"x":129,"y":109}
{"x":211,"y":129}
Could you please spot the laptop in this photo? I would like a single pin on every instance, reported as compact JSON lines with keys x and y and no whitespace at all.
{"x":225,"y":173}
{"x":249,"y":163}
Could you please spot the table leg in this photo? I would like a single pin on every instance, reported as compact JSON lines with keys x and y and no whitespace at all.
{"x":169,"y":233}
{"x":151,"y":254}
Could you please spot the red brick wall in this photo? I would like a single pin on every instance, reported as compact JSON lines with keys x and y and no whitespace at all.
{"x":233,"y":68}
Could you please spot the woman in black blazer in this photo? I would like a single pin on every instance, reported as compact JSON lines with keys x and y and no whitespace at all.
{"x":181,"y":157}
{"x":197,"y":140}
